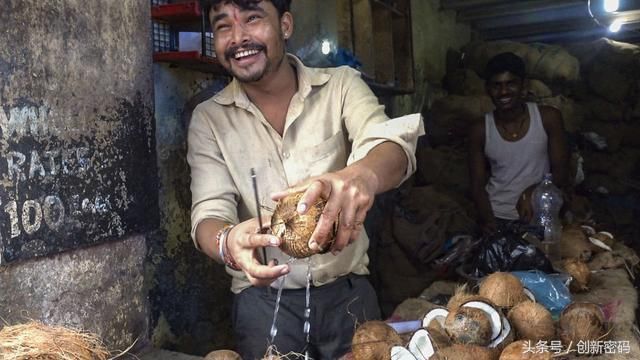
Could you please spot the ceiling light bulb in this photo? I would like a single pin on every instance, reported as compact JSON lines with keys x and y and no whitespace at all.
{"x":615,"y":26}
{"x":611,"y":5}
{"x":326,"y":47}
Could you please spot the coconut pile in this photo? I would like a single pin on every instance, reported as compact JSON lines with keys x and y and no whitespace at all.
{"x":496,"y":323}
{"x":595,"y":87}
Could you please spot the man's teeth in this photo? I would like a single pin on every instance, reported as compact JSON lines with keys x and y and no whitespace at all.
{"x":241,"y":54}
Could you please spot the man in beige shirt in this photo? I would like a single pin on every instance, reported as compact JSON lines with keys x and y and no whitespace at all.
{"x":320,"y":131}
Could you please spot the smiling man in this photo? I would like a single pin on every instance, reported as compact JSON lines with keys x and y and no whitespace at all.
{"x":317,"y":131}
{"x":519,"y":141}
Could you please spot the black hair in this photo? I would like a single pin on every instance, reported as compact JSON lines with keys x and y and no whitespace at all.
{"x":503,"y":62}
{"x":281,"y":5}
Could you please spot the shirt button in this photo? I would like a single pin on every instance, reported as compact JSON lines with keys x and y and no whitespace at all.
{"x":285,"y":154}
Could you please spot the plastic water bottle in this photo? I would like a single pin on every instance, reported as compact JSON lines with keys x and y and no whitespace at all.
{"x":546,"y":202}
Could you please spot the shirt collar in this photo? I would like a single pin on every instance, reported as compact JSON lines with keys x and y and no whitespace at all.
{"x":307,"y":78}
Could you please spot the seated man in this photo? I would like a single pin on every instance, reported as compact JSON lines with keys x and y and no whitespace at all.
{"x":520,"y":141}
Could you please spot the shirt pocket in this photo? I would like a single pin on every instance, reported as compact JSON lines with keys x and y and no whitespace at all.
{"x":329,"y":155}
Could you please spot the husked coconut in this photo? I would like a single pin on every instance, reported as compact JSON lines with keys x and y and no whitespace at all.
{"x":294,"y":229}
{"x":518,"y":351}
{"x":574,"y":244}
{"x":580,"y":274}
{"x":581,"y":322}
{"x":469,"y":325}
{"x":503,"y":289}
{"x":532,"y":322}
{"x":373,"y":340}
{"x":465,"y":352}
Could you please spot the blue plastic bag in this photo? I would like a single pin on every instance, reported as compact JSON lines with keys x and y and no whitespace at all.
{"x":550,"y":290}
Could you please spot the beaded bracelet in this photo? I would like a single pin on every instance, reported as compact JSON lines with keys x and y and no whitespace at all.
{"x":223,"y":250}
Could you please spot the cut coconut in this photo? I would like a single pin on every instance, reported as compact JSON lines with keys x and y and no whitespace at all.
{"x":401,"y":353}
{"x":438,"y":315}
{"x":599,"y":243}
{"x":588,"y":230}
{"x":581,"y":322}
{"x":532,"y":322}
{"x":373,"y":340}
{"x":503,"y":289}
{"x":492,"y":313}
{"x":606,"y":233}
{"x":420,"y":345}
{"x":506,"y":331}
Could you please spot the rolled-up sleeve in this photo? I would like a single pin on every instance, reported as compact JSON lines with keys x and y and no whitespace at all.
{"x":368,"y":125}
{"x":213,"y":193}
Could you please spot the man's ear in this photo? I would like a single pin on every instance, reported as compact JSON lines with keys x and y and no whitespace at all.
{"x":286,"y":25}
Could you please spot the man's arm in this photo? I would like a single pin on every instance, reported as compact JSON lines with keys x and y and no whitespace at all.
{"x":479,"y":176}
{"x":214,"y":197}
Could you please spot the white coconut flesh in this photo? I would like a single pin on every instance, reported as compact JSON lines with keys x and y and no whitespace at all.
{"x":606,"y":233}
{"x":401,"y":353}
{"x":529,"y":294}
{"x":494,"y":316}
{"x":436,"y":314}
{"x":588,"y":229}
{"x":600,"y":244}
{"x":420,"y":345}
{"x":506,"y":329}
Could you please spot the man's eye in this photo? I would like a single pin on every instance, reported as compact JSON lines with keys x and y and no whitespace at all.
{"x":222,"y":27}
{"x":252,"y":18}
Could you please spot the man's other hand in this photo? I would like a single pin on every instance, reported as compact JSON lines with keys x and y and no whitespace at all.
{"x":243,"y":242}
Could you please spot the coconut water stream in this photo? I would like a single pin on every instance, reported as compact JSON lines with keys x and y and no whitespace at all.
{"x":307,"y":310}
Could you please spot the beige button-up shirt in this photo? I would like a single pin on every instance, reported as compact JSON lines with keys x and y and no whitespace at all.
{"x":333,"y":120}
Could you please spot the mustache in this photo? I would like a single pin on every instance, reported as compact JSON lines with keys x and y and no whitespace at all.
{"x":230,"y":52}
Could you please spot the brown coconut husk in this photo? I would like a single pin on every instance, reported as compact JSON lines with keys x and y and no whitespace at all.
{"x":35,"y":340}
{"x":465,"y":352}
{"x":581,"y":322}
{"x":460,"y":296}
{"x":503,"y":289}
{"x":468,"y":325}
{"x":294,"y":229}
{"x":580,"y":273}
{"x":532,"y":322}
{"x":516,"y":351}
{"x":574,"y":244}
{"x":373,"y":340}
{"x":273,"y":354}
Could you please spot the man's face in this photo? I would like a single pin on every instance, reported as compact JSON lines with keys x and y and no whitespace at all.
{"x":505,"y":90}
{"x":249,"y":43}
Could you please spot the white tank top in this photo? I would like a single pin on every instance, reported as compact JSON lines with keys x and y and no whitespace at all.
{"x":515,"y":165}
